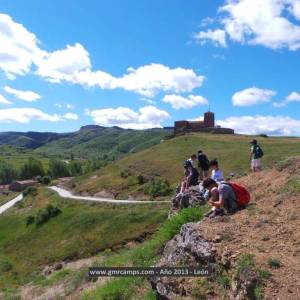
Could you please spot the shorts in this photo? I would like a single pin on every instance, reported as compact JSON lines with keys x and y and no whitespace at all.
{"x":256,"y":163}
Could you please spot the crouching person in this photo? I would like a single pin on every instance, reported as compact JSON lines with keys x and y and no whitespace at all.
{"x":223,"y":198}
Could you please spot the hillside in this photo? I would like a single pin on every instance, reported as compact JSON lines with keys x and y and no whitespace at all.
{"x":165,"y":160}
{"x":256,"y":249}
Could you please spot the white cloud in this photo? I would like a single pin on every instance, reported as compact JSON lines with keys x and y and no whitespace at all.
{"x":3,"y":100}
{"x":64,"y":64}
{"x":145,"y":117}
{"x":271,"y":125}
{"x":70,"y":106}
{"x":217,"y":36}
{"x":260,"y":22}
{"x":20,"y":53}
{"x":70,"y":116}
{"x":19,"y":47}
{"x":292,"y":97}
{"x":190,"y":101}
{"x":25,"y":115}
{"x":252,"y":96}
{"x":23,"y":95}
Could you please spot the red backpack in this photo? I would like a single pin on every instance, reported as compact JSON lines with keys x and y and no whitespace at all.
{"x":241,"y":193}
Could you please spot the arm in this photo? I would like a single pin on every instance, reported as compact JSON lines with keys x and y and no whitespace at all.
{"x":216,"y":199}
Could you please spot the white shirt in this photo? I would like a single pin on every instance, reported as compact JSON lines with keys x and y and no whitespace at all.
{"x":217,"y":175}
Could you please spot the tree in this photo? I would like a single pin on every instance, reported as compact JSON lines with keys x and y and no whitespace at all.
{"x":58,"y":168}
{"x":33,"y":167}
{"x":75,"y":168}
{"x":7,"y":172}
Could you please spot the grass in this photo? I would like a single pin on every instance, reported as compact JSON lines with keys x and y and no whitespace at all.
{"x":80,"y":230}
{"x":5,"y":198}
{"x":274,"y":263}
{"x":143,"y":255}
{"x":165,"y":160}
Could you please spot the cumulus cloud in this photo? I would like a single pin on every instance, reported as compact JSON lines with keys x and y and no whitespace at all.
{"x":3,"y":100}
{"x":20,"y":53}
{"x":252,"y":96}
{"x":217,"y":36}
{"x":19,"y":47}
{"x":25,"y":115}
{"x":190,"y":101}
{"x":292,"y":97}
{"x":145,"y":117}
{"x":259,"y":22}
{"x":271,"y":125}
{"x":70,"y":116}
{"x":23,"y":95}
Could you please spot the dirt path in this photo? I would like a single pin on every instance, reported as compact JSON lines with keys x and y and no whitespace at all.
{"x":10,"y":203}
{"x":67,"y":194}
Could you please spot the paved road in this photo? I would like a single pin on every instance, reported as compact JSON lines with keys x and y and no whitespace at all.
{"x":67,"y":194}
{"x":10,"y":203}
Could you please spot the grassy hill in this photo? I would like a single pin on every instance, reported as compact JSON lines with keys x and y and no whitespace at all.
{"x":165,"y":160}
{"x":80,"y":230}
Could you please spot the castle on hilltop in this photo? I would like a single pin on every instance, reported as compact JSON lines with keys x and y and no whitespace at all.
{"x":207,"y":125}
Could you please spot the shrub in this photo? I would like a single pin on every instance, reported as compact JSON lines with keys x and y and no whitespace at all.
{"x":141,"y":179}
{"x":29,"y":220}
{"x":44,"y":215}
{"x":274,"y":263}
{"x":30,"y":190}
{"x":5,"y":266}
{"x":46,"y":180}
{"x":125,"y":173}
{"x":158,"y":187}
{"x":39,"y":179}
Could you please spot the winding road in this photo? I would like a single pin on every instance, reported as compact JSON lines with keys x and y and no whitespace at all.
{"x":67,"y":194}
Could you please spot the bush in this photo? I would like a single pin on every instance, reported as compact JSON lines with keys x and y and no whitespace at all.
{"x":30,"y":190}
{"x":274,"y":263}
{"x":141,"y":179}
{"x":158,"y":187}
{"x":39,"y":179}
{"x":125,"y":173}
{"x":5,"y":266}
{"x":44,"y":215}
{"x":29,"y":220}
{"x":46,"y":180}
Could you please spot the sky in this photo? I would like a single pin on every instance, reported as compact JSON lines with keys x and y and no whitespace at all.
{"x":143,"y":64}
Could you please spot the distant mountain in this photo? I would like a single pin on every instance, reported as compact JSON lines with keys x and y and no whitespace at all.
{"x":90,"y":140}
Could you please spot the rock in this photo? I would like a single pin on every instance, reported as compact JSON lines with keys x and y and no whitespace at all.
{"x":188,"y":248}
{"x":217,"y":239}
{"x":57,"y":266}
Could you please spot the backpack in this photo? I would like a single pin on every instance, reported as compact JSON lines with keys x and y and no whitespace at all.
{"x":241,"y":193}
{"x":259,"y":153}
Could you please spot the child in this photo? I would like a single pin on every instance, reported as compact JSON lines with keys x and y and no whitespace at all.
{"x":216,"y":173}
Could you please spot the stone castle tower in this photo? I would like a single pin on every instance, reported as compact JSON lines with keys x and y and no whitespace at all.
{"x":209,"y":119}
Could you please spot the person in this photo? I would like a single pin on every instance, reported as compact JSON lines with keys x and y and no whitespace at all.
{"x":193,"y":160}
{"x":256,"y":154}
{"x":191,"y":177}
{"x":203,"y":165}
{"x":223,"y":198}
{"x":216,"y":172}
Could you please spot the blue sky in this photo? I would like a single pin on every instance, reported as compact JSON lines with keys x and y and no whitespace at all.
{"x":141,"y":64}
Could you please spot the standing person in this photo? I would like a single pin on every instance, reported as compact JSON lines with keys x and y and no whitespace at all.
{"x":256,"y":153}
{"x":216,"y":172}
{"x":203,"y":164}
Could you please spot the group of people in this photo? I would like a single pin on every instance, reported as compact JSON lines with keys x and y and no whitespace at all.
{"x":220,"y":194}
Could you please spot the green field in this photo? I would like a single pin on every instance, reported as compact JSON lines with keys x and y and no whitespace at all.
{"x":81,"y":230}
{"x":166,"y":160}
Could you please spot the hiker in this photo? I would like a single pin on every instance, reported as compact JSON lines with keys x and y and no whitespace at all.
{"x":256,"y":153}
{"x":216,"y":172}
{"x":223,"y":198}
{"x":191,"y":177}
{"x":203,"y":164}
{"x":193,"y":160}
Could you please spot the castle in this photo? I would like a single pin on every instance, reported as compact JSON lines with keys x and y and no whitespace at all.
{"x":207,"y":125}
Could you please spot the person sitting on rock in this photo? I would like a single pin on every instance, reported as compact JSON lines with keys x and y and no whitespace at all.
{"x":216,"y":173}
{"x":223,"y":198}
{"x":191,"y":177}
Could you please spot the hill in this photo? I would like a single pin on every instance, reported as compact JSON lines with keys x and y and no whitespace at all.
{"x":165,"y":161}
